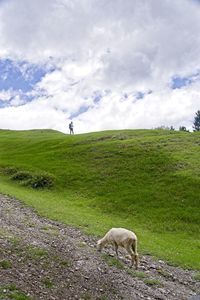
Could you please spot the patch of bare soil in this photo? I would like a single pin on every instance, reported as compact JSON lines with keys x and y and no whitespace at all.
{"x":43,"y":259}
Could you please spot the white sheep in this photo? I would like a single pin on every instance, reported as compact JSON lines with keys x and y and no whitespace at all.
{"x":124,"y":238}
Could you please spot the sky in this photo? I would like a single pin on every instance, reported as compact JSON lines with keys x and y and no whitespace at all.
{"x":104,"y":64}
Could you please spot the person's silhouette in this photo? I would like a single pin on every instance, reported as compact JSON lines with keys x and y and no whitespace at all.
{"x":71,"y":128}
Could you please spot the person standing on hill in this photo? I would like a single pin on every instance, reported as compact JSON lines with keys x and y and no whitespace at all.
{"x":71,"y":128}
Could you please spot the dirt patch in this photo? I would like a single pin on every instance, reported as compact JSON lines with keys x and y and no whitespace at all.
{"x":43,"y":259}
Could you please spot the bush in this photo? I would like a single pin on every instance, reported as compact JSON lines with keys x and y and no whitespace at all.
{"x":27,"y":178}
{"x":40,"y":181}
{"x":8,"y":170}
{"x":21,"y":175}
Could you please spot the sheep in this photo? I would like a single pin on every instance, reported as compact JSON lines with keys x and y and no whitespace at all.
{"x":124,"y":238}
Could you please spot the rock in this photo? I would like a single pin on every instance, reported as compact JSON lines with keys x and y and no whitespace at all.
{"x":161,"y":262}
{"x":153,"y":267}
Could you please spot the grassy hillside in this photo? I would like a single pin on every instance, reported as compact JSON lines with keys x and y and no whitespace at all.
{"x":146,"y":180}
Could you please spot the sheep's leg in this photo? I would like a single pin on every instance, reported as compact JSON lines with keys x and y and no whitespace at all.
{"x":116,"y":248}
{"x":136,"y":259}
{"x":132,"y":254}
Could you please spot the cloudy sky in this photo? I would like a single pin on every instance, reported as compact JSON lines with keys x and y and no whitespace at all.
{"x":105,"y":64}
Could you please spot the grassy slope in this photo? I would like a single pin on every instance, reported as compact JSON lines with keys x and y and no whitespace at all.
{"x":146,"y":180}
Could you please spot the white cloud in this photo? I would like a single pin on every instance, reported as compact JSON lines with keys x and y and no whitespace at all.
{"x":121,"y":46}
{"x":6,"y":95}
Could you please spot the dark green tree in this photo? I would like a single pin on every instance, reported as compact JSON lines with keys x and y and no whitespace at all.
{"x":197,"y":121}
{"x":182,"y":128}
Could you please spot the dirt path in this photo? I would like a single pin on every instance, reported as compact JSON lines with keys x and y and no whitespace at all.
{"x":42,"y":259}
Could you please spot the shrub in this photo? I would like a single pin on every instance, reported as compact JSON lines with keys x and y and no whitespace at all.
{"x":21,"y":175}
{"x":27,"y":178}
{"x":8,"y":170}
{"x":40,"y":181}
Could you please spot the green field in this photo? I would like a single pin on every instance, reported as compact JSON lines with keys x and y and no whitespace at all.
{"x":145,"y":180}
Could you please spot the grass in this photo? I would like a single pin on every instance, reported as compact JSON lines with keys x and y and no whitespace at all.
{"x":152,"y":282}
{"x":145,"y":180}
{"x":137,"y":274}
{"x":197,"y":276}
{"x":36,"y":252}
{"x":11,"y":292}
{"x":5,"y":264}
{"x":113,"y":261}
{"x":60,"y":261}
{"x":164,"y":273}
{"x":143,"y":276}
{"x":85,"y":296}
{"x":48,"y":282}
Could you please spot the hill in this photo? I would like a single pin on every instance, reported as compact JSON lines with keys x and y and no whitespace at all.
{"x":44,"y":259}
{"x":146,"y":180}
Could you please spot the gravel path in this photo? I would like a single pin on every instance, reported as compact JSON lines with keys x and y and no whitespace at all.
{"x":43,"y":259}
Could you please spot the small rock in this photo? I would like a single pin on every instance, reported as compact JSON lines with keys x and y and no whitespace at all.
{"x":161,"y":262}
{"x":153,"y":267}
{"x":111,"y":254}
{"x":163,"y":291}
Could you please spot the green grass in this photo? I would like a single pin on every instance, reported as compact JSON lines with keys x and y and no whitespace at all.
{"x":47,"y":282}
{"x":152,"y":282}
{"x":85,"y":296}
{"x":113,"y":261}
{"x":36,"y":252}
{"x":11,"y":292}
{"x":145,"y":180}
{"x":197,"y":276}
{"x":5,"y":264}
{"x":138,"y":274}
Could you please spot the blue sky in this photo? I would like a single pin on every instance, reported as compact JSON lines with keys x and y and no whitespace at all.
{"x":20,"y":78}
{"x":179,"y":82}
{"x":12,"y":76}
{"x":106,"y":65}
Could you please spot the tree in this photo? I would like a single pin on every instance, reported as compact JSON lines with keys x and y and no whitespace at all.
{"x":165,"y":127}
{"x":197,"y":121}
{"x":183,"y":128}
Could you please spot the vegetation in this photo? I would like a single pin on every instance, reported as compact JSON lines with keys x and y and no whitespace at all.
{"x":113,"y":261}
{"x":48,"y":282}
{"x":5,"y":264}
{"x":183,"y":128}
{"x":11,"y":292}
{"x":36,"y":181}
{"x":197,"y":276}
{"x":197,"y":121}
{"x":137,"y":274}
{"x":152,"y":282}
{"x":145,"y":180}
